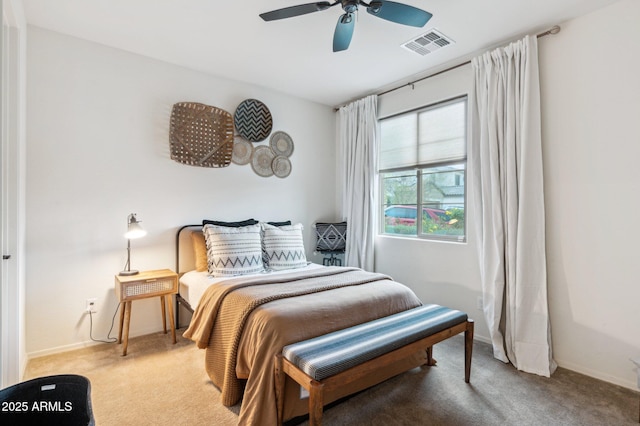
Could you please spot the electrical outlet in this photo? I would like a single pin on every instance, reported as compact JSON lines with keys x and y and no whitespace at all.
{"x":479,"y":303}
{"x":91,"y":305}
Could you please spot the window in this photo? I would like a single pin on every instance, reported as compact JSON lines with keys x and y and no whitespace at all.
{"x":422,"y":165}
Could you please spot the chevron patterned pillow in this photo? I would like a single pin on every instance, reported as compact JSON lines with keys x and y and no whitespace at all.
{"x":233,"y":251}
{"x":283,"y":246}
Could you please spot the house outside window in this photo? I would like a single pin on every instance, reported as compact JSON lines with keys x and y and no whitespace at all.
{"x":422,"y":168}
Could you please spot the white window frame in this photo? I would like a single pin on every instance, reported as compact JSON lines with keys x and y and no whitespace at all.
{"x":419,"y":175}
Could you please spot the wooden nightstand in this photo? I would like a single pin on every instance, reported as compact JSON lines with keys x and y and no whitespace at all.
{"x":161,"y":282}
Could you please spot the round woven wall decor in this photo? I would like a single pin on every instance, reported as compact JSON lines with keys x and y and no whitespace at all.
{"x":242,"y":151}
{"x":261,"y":161}
{"x":200,"y":135}
{"x":281,"y":166}
{"x":253,"y":120}
{"x":281,"y":143}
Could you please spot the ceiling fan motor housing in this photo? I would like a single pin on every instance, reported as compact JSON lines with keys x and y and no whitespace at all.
{"x":350,"y":6}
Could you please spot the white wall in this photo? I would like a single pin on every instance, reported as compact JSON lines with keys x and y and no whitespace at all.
{"x":590,"y":84}
{"x":98,"y":149}
{"x":98,"y":123}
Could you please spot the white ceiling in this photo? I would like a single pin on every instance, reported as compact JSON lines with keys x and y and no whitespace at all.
{"x":229,"y":39}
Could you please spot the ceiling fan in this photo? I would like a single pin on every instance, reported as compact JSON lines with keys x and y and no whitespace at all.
{"x":391,"y":11}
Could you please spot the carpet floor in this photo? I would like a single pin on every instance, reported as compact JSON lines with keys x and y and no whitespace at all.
{"x":158,"y":383}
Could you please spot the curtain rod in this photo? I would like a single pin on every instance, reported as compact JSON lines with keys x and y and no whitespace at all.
{"x":553,"y":30}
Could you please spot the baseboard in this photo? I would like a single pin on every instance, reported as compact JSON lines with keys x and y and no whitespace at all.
{"x":24,"y":359}
{"x":597,"y":374}
{"x":88,"y":343}
{"x":568,"y":365}
{"x":61,"y":349}
{"x":82,"y":345}
{"x":582,"y":370}
{"x":482,"y":339}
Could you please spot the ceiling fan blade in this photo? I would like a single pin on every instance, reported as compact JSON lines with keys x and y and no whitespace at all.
{"x":301,"y":9}
{"x":399,"y":13}
{"x":344,"y":32}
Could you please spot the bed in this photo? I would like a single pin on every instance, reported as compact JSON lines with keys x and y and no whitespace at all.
{"x":243,"y":321}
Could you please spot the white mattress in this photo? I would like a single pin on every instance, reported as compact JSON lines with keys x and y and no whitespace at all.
{"x":193,"y":283}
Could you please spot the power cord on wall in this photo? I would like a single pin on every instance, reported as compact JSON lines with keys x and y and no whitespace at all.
{"x":109,"y":338}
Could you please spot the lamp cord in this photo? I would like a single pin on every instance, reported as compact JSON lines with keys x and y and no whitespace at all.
{"x":109,"y":338}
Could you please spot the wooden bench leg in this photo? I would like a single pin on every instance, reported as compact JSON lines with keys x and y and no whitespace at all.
{"x":430,"y":359}
{"x":468,"y":349}
{"x":280,"y":378}
{"x":315,"y":403}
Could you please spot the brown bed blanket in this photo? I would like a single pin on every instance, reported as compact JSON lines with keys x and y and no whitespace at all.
{"x":244,"y":322}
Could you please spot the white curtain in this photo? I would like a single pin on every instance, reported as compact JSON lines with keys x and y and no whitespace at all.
{"x":506,"y":158}
{"x":358,"y":139}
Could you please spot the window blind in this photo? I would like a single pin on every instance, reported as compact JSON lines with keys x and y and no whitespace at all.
{"x":425,"y":137}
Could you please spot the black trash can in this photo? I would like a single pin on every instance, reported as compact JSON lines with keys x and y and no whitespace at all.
{"x":52,"y":400}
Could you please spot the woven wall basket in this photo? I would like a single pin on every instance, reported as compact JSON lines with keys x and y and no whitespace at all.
{"x":201,"y":135}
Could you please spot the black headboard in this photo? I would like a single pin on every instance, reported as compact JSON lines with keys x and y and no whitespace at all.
{"x":185,"y":261}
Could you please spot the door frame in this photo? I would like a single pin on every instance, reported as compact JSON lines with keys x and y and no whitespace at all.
{"x":12,"y":199}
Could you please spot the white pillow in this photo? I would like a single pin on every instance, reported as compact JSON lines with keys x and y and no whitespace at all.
{"x":233,"y":251}
{"x":283,"y":246}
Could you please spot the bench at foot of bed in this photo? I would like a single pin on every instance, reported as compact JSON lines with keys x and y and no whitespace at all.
{"x":328,"y":362}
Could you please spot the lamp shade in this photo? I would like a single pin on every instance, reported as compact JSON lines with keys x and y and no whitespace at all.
{"x":134,"y":229}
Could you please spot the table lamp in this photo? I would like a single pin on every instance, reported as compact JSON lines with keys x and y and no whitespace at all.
{"x":134,"y":230}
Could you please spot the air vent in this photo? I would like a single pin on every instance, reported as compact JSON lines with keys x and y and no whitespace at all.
{"x":428,"y":42}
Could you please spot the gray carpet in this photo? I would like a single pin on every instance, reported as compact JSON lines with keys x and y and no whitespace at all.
{"x":163,"y":384}
{"x":498,"y":395}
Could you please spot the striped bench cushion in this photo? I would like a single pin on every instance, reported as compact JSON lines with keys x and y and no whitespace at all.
{"x":330,"y":354}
